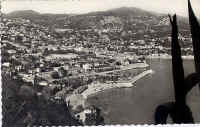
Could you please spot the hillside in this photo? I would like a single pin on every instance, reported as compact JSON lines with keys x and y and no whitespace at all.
{"x":43,"y":19}
{"x":123,"y":17}
{"x":25,"y":13}
{"x":123,"y":11}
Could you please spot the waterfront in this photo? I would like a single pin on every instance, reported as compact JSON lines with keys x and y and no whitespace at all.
{"x":99,"y":87}
{"x":136,"y":105}
{"x":90,"y":68}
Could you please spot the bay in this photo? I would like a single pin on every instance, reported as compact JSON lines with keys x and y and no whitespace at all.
{"x":137,"y":105}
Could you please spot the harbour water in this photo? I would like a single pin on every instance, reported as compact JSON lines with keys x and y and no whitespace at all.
{"x":136,"y":105}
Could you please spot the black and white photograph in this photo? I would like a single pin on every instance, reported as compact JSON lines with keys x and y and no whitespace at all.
{"x":99,"y":62}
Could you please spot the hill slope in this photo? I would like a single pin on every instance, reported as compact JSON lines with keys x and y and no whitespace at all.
{"x":96,"y":19}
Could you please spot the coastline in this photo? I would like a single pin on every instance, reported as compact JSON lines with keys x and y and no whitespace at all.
{"x":99,"y":87}
{"x":189,"y":57}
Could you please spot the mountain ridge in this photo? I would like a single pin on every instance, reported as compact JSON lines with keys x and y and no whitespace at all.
{"x":89,"y":19}
{"x":123,"y":10}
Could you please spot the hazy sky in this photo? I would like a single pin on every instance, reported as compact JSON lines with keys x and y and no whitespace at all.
{"x":84,"y":6}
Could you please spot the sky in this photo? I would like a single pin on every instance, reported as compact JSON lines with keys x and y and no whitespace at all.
{"x":84,"y":6}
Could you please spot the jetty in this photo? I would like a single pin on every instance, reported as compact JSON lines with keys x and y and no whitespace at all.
{"x":99,"y":87}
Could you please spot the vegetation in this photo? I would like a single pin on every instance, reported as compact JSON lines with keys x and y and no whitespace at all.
{"x":179,"y":110}
{"x":195,"y":31}
{"x":22,"y":106}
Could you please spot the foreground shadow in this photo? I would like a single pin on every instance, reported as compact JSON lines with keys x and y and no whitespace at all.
{"x":179,"y":110}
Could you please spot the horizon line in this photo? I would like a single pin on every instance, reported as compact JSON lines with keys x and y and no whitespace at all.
{"x":41,"y":13}
{"x":88,"y":6}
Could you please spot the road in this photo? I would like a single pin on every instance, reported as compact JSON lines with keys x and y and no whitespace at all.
{"x":16,"y":45}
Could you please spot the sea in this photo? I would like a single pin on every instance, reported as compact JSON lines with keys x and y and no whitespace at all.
{"x":137,"y":105}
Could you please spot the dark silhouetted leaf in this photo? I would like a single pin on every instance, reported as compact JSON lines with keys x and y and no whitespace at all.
{"x":177,"y":64}
{"x":192,"y":80}
{"x":162,"y":113}
{"x":195,"y":31}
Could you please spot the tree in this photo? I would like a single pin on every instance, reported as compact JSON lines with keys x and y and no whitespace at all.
{"x":55,"y":75}
{"x":27,"y":92}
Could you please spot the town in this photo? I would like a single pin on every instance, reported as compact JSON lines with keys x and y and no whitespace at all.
{"x":72,"y":62}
